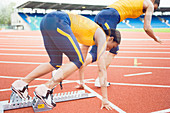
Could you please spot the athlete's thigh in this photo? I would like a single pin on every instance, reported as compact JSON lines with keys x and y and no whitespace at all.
{"x":58,"y":28}
{"x":66,"y":42}
{"x":53,"y":52}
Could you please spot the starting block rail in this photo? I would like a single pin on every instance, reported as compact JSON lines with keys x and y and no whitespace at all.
{"x":16,"y":102}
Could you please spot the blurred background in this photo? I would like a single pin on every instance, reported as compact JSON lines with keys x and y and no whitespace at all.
{"x":27,"y":14}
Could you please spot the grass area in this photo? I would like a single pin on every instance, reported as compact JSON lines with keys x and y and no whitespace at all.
{"x":164,"y":30}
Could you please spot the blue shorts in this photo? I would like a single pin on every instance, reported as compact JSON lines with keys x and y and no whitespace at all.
{"x":112,"y":18}
{"x":109,"y":16}
{"x":93,"y":52}
{"x":59,"y":38}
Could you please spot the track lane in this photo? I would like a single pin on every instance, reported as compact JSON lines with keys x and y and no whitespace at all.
{"x":127,"y":97}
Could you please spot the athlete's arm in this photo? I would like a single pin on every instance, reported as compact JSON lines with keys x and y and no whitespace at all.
{"x":88,"y":60}
{"x":108,"y":58}
{"x":148,"y":5}
{"x":100,"y":39}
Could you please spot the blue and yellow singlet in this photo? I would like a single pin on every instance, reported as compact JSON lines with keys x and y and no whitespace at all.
{"x":128,"y":8}
{"x":83,"y":29}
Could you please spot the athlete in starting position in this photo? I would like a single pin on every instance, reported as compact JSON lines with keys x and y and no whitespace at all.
{"x":61,"y":33}
{"x":108,"y":19}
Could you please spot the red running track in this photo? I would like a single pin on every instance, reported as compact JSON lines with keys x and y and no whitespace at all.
{"x":21,"y":52}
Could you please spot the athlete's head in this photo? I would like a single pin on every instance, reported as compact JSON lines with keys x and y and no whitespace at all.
{"x":156,"y":4}
{"x":114,"y":38}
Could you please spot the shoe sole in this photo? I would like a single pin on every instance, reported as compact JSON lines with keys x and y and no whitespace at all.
{"x":42,"y":100}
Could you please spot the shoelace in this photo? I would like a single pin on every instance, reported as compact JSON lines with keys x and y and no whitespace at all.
{"x":52,"y":99}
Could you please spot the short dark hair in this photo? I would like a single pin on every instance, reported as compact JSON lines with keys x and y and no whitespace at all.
{"x":115,"y":33}
{"x":157,"y":2}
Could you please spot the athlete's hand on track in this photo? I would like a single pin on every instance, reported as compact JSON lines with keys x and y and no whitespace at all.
{"x":105,"y":104}
{"x":158,"y":40}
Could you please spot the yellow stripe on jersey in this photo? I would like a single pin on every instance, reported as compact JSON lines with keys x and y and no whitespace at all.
{"x":72,"y":42}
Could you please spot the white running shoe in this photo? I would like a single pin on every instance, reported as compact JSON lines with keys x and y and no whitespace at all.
{"x":97,"y":83}
{"x":21,"y":88}
{"x":45,"y":94}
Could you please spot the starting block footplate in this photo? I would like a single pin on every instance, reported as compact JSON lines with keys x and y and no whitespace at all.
{"x":16,"y":102}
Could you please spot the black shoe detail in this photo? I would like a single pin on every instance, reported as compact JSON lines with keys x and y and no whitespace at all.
{"x":43,"y":98}
{"x":61,"y":86}
{"x":19,"y":92}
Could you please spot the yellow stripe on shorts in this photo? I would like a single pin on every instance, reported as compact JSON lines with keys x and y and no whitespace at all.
{"x":108,"y":28}
{"x":72,"y":42}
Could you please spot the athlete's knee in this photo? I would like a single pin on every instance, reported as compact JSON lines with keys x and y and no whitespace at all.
{"x":58,"y":76}
{"x":78,"y":63}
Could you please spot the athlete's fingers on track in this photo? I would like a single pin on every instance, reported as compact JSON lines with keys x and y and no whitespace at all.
{"x":108,"y":107}
{"x":160,"y":42}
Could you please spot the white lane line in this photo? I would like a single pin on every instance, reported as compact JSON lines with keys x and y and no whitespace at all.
{"x":11,"y":77}
{"x":135,"y":74}
{"x":142,"y":52}
{"x":64,"y":82}
{"x":20,"y":36}
{"x":144,"y":67}
{"x":161,"y":58}
{"x":4,"y":49}
{"x":141,"y":39}
{"x":44,"y":48}
{"x":140,"y":85}
{"x":21,"y":46}
{"x":119,"y":51}
{"x":121,"y":46}
{"x":40,"y":37}
{"x":145,"y":45}
{"x":9,"y":89}
{"x":12,"y":62}
{"x":145,"y":48}
{"x":121,"y":84}
{"x":100,"y":97}
{"x":162,"y":111}
{"x":11,"y":54}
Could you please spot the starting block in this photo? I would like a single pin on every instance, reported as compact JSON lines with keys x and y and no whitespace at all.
{"x":15,"y":103}
{"x":38,"y":106}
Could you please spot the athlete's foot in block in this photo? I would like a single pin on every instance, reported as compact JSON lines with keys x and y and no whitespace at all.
{"x":21,"y":88}
{"x":45,"y":94}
